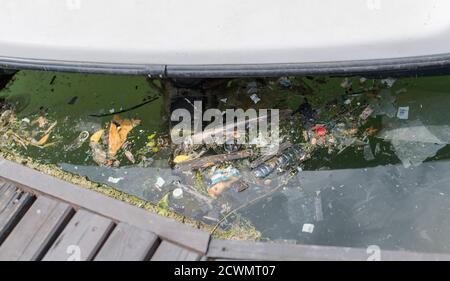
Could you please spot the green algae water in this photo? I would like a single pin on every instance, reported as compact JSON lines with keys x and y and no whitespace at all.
{"x":385,"y":185}
{"x":74,"y":99}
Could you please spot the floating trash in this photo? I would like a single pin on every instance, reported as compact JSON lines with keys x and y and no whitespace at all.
{"x":389,"y":82}
{"x":177,"y":193}
{"x":114,"y":180}
{"x":78,"y":142}
{"x":159,"y":183}
{"x":341,"y":154}
{"x":255,"y":98}
{"x":403,"y":112}
{"x":308,"y":228}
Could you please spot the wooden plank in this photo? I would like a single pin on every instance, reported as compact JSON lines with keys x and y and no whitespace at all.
{"x":247,"y":250}
{"x":128,"y":243}
{"x":11,"y":211}
{"x":170,"y":252}
{"x":81,"y":238}
{"x":3,"y":186}
{"x":165,"y":228}
{"x":36,"y":230}
{"x":7,"y":193}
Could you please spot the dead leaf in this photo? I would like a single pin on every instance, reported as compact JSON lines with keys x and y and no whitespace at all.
{"x":371,"y":131}
{"x":43,"y":140}
{"x":125,"y":127}
{"x":95,"y":138}
{"x":114,"y":140}
{"x":118,"y":132}
{"x":181,"y":158}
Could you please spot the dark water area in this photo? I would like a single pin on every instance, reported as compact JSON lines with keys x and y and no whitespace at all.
{"x":378,"y":180}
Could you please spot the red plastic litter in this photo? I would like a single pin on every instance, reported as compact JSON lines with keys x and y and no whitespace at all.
{"x":321,"y":131}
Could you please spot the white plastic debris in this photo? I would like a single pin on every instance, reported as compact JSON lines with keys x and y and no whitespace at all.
{"x":388,"y":82}
{"x":26,"y":120}
{"x":308,"y":228}
{"x":318,"y":207}
{"x":346,"y":83}
{"x":255,"y":98}
{"x":385,"y":105}
{"x":368,"y":155}
{"x":366,"y":113}
{"x":377,"y":149}
{"x":224,"y":100}
{"x":347,"y":101}
{"x":413,"y":142}
{"x":252,"y":87}
{"x":403,"y":112}
{"x":114,"y":180}
{"x":159,"y":183}
{"x":362,"y":80}
{"x":177,"y":193}
{"x":402,"y":90}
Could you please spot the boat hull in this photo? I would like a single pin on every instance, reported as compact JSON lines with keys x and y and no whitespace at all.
{"x":226,"y":38}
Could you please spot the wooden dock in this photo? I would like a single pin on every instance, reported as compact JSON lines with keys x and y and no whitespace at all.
{"x":44,"y":218}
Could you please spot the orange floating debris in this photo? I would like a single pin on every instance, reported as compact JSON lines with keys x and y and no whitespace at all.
{"x":118,"y":132}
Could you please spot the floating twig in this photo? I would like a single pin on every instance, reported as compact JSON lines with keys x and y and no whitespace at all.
{"x":209,"y":161}
{"x":127,"y":109}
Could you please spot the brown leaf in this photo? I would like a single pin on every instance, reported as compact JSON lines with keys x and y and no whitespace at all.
{"x":43,"y":140}
{"x":114,"y":140}
{"x":118,"y":132}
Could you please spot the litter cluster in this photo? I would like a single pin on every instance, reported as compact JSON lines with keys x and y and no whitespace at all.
{"x":314,"y":122}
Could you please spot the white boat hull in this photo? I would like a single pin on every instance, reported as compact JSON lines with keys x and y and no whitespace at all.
{"x":216,"y":37}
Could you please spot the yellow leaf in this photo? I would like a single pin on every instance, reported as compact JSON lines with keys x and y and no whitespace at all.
{"x":181,"y":158}
{"x":95,"y":138}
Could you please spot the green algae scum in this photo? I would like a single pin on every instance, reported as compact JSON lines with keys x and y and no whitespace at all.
{"x":374,"y":172}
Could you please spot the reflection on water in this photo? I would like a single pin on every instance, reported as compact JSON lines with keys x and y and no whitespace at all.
{"x":390,"y":206}
{"x":375,"y":173}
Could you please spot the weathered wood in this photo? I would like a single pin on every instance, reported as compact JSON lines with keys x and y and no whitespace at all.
{"x":207,"y":161}
{"x":3,"y":186}
{"x":81,"y":238}
{"x":11,"y":210}
{"x":7,"y":192}
{"x":165,"y":228}
{"x":35,"y":233}
{"x":128,"y":243}
{"x":247,"y":250}
{"x":170,"y":252}
{"x":36,"y":230}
